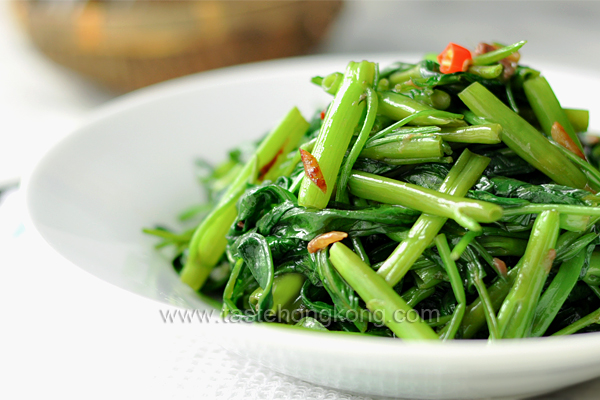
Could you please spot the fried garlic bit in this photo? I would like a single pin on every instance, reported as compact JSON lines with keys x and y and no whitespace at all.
{"x":500,"y":267}
{"x":324,"y":240}
{"x":509,"y":63}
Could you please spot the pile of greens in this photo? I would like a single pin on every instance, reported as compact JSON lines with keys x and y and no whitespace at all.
{"x":436,"y":205}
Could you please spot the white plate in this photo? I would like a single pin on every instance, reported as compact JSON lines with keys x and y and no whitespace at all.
{"x":130,"y":166}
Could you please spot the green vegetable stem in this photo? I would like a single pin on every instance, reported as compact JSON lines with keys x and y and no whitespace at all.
{"x":518,"y":309}
{"x":523,"y":138}
{"x":338,"y":127}
{"x":463,"y":175}
{"x":208,"y":242}
{"x":385,"y":190}
{"x":378,"y":296}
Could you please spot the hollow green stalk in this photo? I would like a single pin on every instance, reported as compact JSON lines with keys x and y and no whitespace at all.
{"x":591,"y":172}
{"x":486,"y":71}
{"x":208,"y":242}
{"x":497,"y":55}
{"x":556,"y":294}
{"x":592,"y":318}
{"x":462,"y":244}
{"x":418,"y":115}
{"x":406,"y":146}
{"x":286,"y":294}
{"x":516,"y":314}
{"x":592,"y":275}
{"x":475,"y":316}
{"x":483,"y":134}
{"x":397,"y":106}
{"x":440,"y":100}
{"x":561,"y":208}
{"x":523,"y":138}
{"x":457,"y":287}
{"x":464,"y":211}
{"x":358,"y":145}
{"x":579,"y":119}
{"x":403,"y":76}
{"x":399,"y":134}
{"x":462,"y":176}
{"x":332,"y":82}
{"x":547,"y":109}
{"x":575,"y":223}
{"x":380,"y":298}
{"x":341,"y":119}
{"x":410,"y":161}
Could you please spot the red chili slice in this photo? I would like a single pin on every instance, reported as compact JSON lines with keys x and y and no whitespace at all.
{"x":453,"y":59}
{"x":562,"y":137}
{"x":312,"y":170}
{"x":324,"y":240}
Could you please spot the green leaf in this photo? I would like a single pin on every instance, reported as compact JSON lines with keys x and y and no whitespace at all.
{"x":255,"y":252}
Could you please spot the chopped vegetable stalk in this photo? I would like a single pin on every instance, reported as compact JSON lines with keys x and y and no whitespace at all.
{"x":389,"y":191}
{"x":405,"y":75}
{"x":592,"y":318}
{"x":457,"y":287}
{"x":579,"y":119}
{"x":338,"y":127}
{"x":556,"y":294}
{"x":547,"y":109}
{"x":363,"y":136}
{"x":208,"y":243}
{"x":475,"y":316}
{"x":523,"y":138}
{"x":398,"y":107}
{"x":331,"y":83}
{"x":484,"y":134}
{"x":497,"y":55}
{"x":463,"y":175}
{"x":592,"y":275}
{"x":486,"y":71}
{"x":405,"y":146}
{"x":381,"y":299}
{"x":516,"y":314}
{"x":286,"y":295}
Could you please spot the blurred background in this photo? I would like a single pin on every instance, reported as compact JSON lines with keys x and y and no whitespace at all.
{"x":61,"y":59}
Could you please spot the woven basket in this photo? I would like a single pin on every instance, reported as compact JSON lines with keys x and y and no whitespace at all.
{"x":128,"y":45}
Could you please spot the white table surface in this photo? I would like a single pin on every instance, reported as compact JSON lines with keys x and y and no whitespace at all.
{"x":66,"y":333}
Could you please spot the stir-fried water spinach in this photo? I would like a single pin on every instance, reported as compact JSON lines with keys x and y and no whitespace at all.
{"x":453,"y":198}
